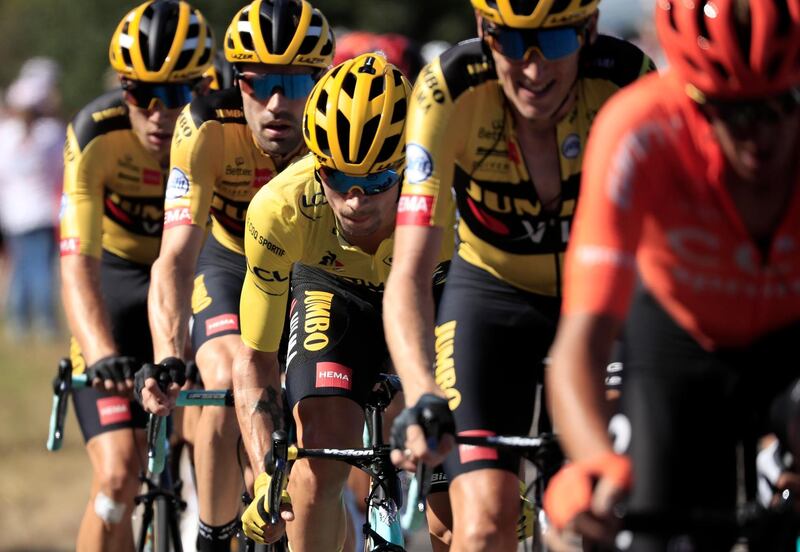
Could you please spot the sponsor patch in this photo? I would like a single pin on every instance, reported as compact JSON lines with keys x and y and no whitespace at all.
{"x":415,"y":209}
{"x":332,"y":374}
{"x":177,"y":185}
{"x":151,"y":177}
{"x":177,"y":217}
{"x":571,"y":148}
{"x":113,"y":410}
{"x":419,"y":164}
{"x":470,"y":453}
{"x":222,"y":323}
{"x":69,"y":246}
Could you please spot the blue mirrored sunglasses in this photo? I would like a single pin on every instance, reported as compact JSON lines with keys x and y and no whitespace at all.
{"x":370,"y":184}
{"x":517,"y":44}
{"x":294,"y":86}
{"x":146,"y":94}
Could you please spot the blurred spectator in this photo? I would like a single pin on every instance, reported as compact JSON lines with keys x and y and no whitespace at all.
{"x":31,"y":143}
{"x":399,"y":49}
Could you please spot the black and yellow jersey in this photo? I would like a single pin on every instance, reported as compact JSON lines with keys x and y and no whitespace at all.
{"x":113,"y":187}
{"x":460,"y":135}
{"x":289,"y":222}
{"x":217,"y":168}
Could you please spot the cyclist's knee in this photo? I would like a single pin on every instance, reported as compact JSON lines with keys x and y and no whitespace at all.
{"x":440,"y":521}
{"x":215,"y":362}
{"x":321,"y":479}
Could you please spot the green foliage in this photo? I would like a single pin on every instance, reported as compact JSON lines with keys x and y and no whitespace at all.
{"x":76,"y":32}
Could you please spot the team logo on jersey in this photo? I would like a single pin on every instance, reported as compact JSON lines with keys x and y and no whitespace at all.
{"x":419,"y":164}
{"x":69,"y":246}
{"x":329,"y":260}
{"x":177,"y":185}
{"x":571,"y":147}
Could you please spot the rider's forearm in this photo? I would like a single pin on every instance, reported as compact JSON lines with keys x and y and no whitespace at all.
{"x":576,"y":390}
{"x":408,"y":312}
{"x":84,"y":306}
{"x":259,"y":407}
{"x":169,"y":305}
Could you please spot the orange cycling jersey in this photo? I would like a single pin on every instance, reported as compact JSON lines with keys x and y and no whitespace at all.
{"x":461,"y":137}
{"x":654,"y":203}
{"x":217,"y":168}
{"x":113,"y":187}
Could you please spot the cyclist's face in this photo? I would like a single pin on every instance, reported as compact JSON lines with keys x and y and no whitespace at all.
{"x":362,"y":215}
{"x":538,"y":89}
{"x":153,"y":128}
{"x":766,"y":150}
{"x":274,"y":121}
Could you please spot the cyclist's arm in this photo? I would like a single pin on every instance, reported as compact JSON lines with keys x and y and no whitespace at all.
{"x":170,"y":294}
{"x":259,"y":408}
{"x":408,"y":308}
{"x":81,"y":232}
{"x":194,"y":159}
{"x":575,"y":383}
{"x":84,"y":307}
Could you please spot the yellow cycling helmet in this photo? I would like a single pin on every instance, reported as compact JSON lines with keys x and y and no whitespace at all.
{"x":280,"y":32}
{"x":355,"y":116}
{"x":162,"y":41}
{"x":535,"y":14}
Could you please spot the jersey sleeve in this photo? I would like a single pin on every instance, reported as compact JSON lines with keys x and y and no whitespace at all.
{"x":620,"y":172}
{"x":433,"y":137}
{"x":272,"y":242}
{"x":195,"y":166}
{"x":82,"y":201}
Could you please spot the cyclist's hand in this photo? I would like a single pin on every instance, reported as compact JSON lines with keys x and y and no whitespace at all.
{"x":574,"y":501}
{"x":113,"y":374}
{"x":157,"y":385}
{"x":255,"y":519}
{"x":423,"y":432}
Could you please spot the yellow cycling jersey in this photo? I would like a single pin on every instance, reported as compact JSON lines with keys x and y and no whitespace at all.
{"x":460,"y":135}
{"x":217,"y":168}
{"x":113,"y":187}
{"x":289,"y":222}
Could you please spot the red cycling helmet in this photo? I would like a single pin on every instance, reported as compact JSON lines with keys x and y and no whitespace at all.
{"x":710,"y":49}
{"x":400,"y":50}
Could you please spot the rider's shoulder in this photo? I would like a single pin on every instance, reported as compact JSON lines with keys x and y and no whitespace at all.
{"x":464,"y":66}
{"x":101,"y":116}
{"x":223,"y":106}
{"x":615,"y":60}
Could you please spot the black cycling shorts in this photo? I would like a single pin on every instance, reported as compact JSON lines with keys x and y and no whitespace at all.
{"x":336,"y":342}
{"x":491,"y":340}
{"x":219,"y":277}
{"x":123,"y":285}
{"x":688,"y":408}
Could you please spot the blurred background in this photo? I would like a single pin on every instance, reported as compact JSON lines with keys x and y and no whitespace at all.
{"x":53,"y":60}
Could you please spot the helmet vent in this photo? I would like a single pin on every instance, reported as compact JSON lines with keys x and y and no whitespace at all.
{"x":367,"y":135}
{"x":558,"y":6}
{"x":742,"y":22}
{"x":322,"y":102}
{"x":398,"y":78}
{"x":720,"y":69}
{"x":399,"y":111}
{"x":388,"y":148}
{"x":322,"y":141}
{"x":376,"y":89}
{"x":349,"y":84}
{"x":343,"y":130}
{"x":307,"y":46}
{"x":328,"y":47}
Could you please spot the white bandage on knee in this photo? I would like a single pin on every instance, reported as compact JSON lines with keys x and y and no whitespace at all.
{"x":108,"y":510}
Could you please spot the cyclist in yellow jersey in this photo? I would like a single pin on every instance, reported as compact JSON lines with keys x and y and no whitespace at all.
{"x":116,"y":158}
{"x":332,"y":216}
{"x":499,"y":124}
{"x":227,"y":146}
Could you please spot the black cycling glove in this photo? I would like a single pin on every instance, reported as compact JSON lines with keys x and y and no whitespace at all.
{"x":431,"y":413}
{"x":115,"y":368}
{"x":170,"y":370}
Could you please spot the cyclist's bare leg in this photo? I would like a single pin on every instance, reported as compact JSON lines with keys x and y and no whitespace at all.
{"x":440,"y":521}
{"x":358,"y":484}
{"x":485,"y":511}
{"x":116,"y":461}
{"x":219,"y":483}
{"x":317,"y":486}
